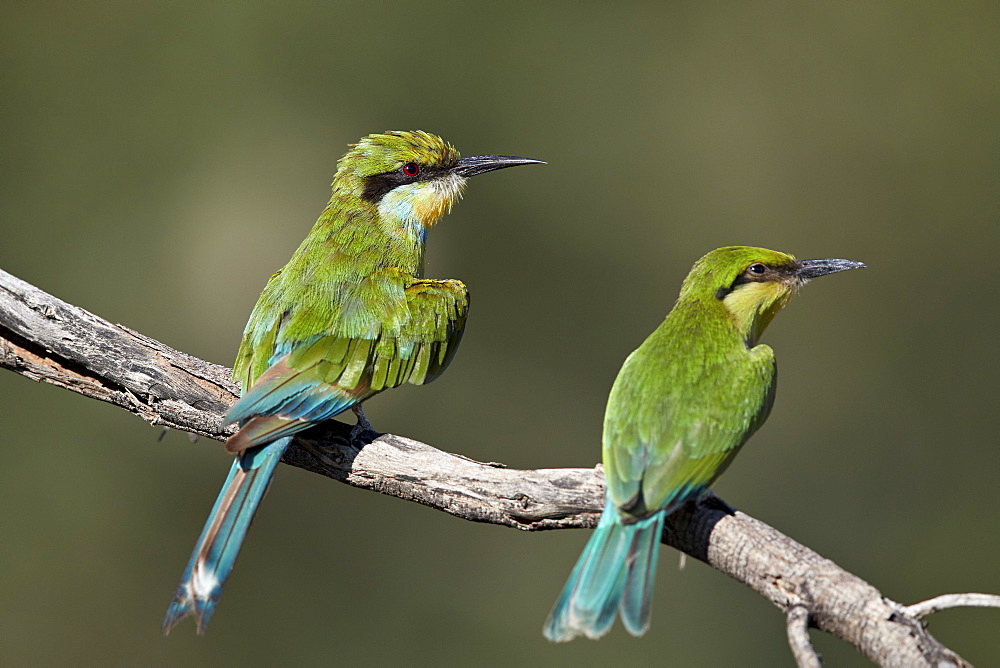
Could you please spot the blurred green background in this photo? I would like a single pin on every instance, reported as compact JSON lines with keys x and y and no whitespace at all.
{"x":158,"y":162}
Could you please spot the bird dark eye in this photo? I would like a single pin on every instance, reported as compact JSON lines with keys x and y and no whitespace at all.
{"x":757,"y":268}
{"x":411,"y":169}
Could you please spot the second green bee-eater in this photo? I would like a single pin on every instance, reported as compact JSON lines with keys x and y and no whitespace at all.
{"x":348,"y":317}
{"x":680,"y":409}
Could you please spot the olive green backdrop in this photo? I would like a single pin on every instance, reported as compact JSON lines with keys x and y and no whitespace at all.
{"x":158,"y":162}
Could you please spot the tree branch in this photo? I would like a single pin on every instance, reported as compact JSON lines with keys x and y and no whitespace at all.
{"x":797,"y":621}
{"x":946,"y":601}
{"x":48,"y":340}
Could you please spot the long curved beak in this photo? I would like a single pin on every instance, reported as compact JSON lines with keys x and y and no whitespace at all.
{"x":810,"y":269}
{"x":480,"y":164}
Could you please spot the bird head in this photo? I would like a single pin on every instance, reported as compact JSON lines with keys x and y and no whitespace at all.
{"x":754,"y":283}
{"x":414,"y":177}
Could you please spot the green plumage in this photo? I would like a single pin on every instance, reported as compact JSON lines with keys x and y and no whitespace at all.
{"x":689,"y":396}
{"x":355,"y":274}
{"x":680,"y":409}
{"x":349,"y":316}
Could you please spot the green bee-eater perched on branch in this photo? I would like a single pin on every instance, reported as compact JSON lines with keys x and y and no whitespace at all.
{"x":347,"y":317}
{"x":682,"y":406}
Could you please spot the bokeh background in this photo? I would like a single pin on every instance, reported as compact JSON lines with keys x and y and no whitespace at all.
{"x":159,"y":161}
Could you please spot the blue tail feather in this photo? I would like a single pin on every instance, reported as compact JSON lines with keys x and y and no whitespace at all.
{"x":615,"y":574}
{"x":637,"y":600}
{"x":220,"y":541}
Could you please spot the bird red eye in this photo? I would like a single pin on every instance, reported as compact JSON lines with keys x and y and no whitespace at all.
{"x":411,"y":169}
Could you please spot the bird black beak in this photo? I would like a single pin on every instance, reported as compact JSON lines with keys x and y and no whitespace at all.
{"x":809,"y":269}
{"x":480,"y":164}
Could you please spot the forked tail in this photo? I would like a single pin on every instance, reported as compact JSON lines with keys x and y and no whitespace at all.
{"x":221,"y":539}
{"x":615,"y":573}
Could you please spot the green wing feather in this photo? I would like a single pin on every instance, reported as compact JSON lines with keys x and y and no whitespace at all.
{"x":316,"y":378}
{"x":416,"y":351}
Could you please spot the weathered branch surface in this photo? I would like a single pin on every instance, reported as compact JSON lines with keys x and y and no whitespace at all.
{"x":49,"y":340}
{"x":797,"y":622}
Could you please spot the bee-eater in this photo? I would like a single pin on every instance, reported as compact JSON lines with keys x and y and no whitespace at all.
{"x":347,"y":317}
{"x":681,"y":407}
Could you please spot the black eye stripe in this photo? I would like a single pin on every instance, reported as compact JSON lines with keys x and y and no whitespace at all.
{"x":378,"y":186}
{"x":758,"y":272}
{"x":748,"y":277}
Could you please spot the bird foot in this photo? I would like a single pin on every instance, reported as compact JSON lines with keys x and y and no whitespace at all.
{"x":362,"y":433}
{"x":710,"y":500}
